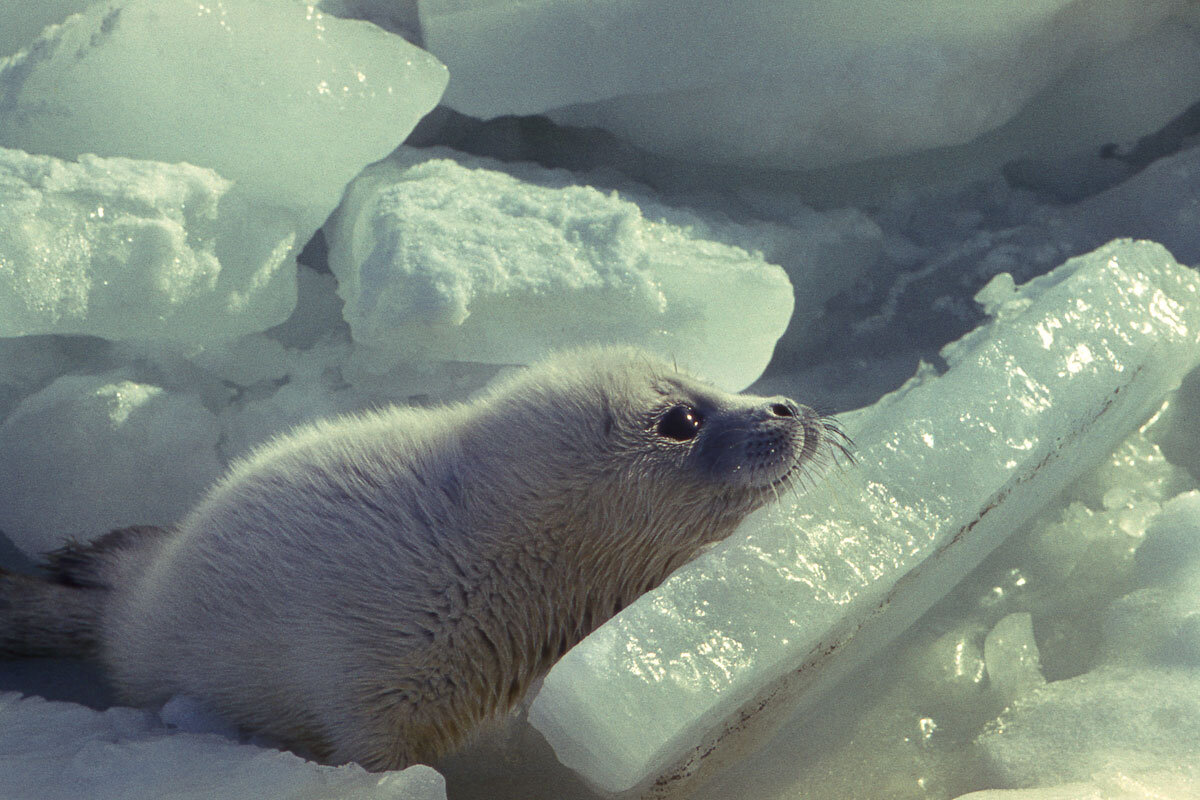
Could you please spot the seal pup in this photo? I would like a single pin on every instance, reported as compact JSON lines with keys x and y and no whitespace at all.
{"x":372,"y":587}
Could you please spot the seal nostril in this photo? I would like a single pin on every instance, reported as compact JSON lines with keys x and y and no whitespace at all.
{"x":782,"y":410}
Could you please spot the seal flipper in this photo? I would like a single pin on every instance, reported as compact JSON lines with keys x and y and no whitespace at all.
{"x":59,"y":614}
{"x":107,"y":560}
{"x":39,"y":617}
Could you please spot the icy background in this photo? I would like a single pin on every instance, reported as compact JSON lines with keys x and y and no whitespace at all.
{"x":210,"y":230}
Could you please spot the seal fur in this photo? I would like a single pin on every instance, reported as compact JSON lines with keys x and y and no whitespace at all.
{"x":371,"y":588}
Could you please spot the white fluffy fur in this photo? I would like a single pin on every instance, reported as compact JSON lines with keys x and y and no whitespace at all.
{"x":369,"y":588}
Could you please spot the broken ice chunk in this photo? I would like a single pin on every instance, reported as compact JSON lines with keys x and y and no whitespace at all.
{"x":708,"y":664}
{"x":125,"y":249}
{"x":266,"y":93}
{"x":91,"y":453}
{"x":1108,"y":719}
{"x":797,"y":84}
{"x":1011,"y":656}
{"x":438,"y":259}
{"x":280,"y":100}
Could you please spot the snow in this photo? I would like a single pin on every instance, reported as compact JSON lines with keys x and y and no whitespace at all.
{"x":444,"y":258}
{"x":63,"y":751}
{"x":816,"y":584}
{"x":1143,"y":720}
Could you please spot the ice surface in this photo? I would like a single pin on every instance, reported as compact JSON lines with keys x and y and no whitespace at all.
{"x":63,"y":751}
{"x":91,"y":453}
{"x":263,"y":91}
{"x":801,"y":84}
{"x":285,"y":102}
{"x":1136,"y":712}
{"x":1110,"y":718}
{"x":1164,"y":785}
{"x":908,"y":719}
{"x":461,"y":260}
{"x":692,"y":673}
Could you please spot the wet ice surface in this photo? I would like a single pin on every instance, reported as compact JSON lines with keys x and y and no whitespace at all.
{"x":1061,"y":667}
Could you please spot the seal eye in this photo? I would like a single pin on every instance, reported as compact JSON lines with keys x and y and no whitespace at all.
{"x":680,"y":423}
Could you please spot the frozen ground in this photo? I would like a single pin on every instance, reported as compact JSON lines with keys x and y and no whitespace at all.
{"x":156,"y":325}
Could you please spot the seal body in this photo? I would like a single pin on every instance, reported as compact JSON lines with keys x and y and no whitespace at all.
{"x":370,"y":588}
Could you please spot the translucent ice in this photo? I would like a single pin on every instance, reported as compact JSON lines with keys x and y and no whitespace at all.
{"x":91,"y":453}
{"x":286,"y":103}
{"x":798,"y":84}
{"x":438,"y":259}
{"x":694,"y":672}
{"x":63,"y":751}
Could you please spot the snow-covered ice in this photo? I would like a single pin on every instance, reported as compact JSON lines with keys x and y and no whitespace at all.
{"x":262,"y":91}
{"x":461,"y":259}
{"x":64,"y":751}
{"x":1133,"y":720}
{"x":111,"y":247}
{"x":808,"y":589}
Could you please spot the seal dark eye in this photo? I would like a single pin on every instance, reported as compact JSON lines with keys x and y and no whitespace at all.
{"x":680,"y":423}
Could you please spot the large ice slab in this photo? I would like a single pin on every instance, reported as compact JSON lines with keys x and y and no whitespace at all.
{"x":695,"y":672}
{"x":467,"y":259}
{"x":797,"y":84}
{"x":63,"y":751}
{"x":286,"y":103}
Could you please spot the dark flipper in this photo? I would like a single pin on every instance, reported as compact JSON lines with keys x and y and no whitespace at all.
{"x":59,"y":614}
{"x":42,"y":618}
